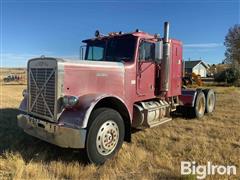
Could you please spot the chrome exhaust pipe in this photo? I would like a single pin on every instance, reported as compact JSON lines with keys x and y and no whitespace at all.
{"x":165,"y":65}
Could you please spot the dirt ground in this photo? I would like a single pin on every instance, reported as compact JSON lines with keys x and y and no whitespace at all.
{"x":153,"y":154}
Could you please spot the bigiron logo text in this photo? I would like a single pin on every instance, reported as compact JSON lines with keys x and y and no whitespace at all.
{"x":202,"y":171}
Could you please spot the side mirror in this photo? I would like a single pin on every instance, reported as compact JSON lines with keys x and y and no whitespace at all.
{"x":158,"y":51}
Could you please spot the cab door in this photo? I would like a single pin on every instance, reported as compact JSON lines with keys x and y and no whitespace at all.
{"x":146,"y":69}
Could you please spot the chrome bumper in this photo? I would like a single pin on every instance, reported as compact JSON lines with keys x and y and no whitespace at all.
{"x":53,"y":133}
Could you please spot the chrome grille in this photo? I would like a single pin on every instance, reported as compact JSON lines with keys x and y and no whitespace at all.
{"x":42,"y":85}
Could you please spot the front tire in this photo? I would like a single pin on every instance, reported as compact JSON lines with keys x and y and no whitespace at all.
{"x":105,"y":135}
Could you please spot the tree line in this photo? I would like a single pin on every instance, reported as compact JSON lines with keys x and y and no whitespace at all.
{"x":232,"y":56}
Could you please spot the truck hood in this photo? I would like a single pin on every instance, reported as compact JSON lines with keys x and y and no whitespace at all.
{"x":90,"y":64}
{"x":93,"y":77}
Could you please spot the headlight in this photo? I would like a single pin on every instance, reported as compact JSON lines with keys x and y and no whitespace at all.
{"x":69,"y":101}
{"x":24,"y":93}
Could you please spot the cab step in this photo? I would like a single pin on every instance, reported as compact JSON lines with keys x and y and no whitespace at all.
{"x":156,"y":123}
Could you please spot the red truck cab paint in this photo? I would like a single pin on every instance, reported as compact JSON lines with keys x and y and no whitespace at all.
{"x":124,"y":81}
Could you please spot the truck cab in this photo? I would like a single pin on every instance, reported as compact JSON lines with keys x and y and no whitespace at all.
{"x":123,"y":81}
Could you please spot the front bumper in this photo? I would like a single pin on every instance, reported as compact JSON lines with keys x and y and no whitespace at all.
{"x":59,"y":135}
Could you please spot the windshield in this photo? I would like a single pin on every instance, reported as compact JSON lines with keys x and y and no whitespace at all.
{"x":116,"y":49}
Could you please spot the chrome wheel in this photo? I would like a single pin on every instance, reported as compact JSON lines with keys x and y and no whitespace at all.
{"x":107,"y":138}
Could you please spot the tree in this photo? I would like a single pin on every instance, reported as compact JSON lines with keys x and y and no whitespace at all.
{"x":230,"y":75}
{"x":232,"y":43}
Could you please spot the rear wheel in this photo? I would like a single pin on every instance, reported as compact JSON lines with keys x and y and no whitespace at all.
{"x":105,"y":135}
{"x":210,"y":100}
{"x":199,"y":106}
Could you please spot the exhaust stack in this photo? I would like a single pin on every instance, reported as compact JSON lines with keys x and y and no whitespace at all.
{"x":165,"y":65}
{"x":166,"y":31}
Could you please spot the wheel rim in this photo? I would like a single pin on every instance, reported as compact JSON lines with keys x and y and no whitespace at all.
{"x":211,"y":102}
{"x":201,"y":106}
{"x":107,"y":137}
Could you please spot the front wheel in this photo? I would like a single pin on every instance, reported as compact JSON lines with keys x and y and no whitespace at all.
{"x":105,"y":135}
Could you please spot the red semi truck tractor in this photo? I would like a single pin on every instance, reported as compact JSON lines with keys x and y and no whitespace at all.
{"x":124,"y":81}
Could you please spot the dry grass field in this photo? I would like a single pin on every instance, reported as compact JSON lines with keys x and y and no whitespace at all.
{"x":153,"y":154}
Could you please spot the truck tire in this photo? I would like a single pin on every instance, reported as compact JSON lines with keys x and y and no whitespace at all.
{"x":210,"y":100}
{"x":105,"y":135}
{"x":199,"y":105}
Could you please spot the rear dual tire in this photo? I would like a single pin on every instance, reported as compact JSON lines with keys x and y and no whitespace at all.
{"x":210,"y":100}
{"x":204,"y":103}
{"x":199,"y":105}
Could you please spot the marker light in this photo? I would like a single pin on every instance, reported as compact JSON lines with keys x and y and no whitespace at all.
{"x":97,"y":33}
{"x":24,"y":93}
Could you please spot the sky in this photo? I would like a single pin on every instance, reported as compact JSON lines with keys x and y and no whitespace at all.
{"x":31,"y":28}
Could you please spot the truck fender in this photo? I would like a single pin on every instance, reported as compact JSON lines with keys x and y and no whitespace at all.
{"x":23,"y":104}
{"x":79,"y":117}
{"x":187,"y":98}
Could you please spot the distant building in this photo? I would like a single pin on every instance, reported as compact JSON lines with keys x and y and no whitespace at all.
{"x":198,"y":67}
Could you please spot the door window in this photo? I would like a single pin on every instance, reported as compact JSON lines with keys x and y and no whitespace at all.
{"x":146,"y":51}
